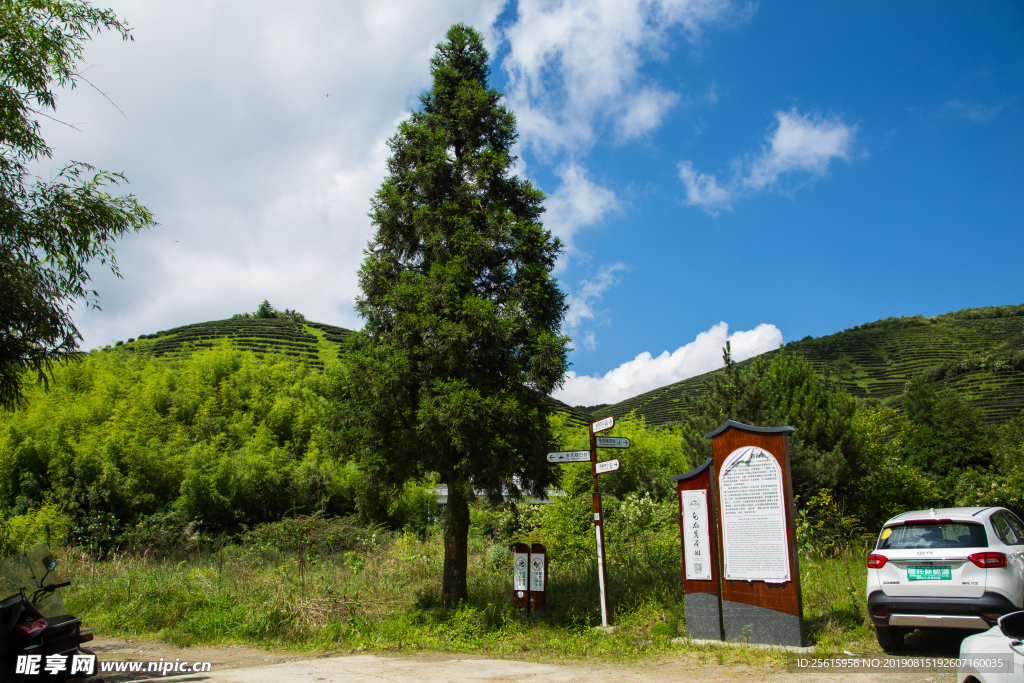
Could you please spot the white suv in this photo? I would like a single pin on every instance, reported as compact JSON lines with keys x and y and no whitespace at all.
{"x":948,"y":568}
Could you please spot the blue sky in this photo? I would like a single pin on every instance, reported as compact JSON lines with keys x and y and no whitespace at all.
{"x":787,"y":169}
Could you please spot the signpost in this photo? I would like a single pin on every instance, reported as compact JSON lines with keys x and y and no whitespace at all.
{"x":596,"y":469}
{"x":569,"y":456}
{"x":602,"y":567}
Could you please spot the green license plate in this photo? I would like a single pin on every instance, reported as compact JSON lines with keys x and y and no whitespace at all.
{"x":917,"y":573}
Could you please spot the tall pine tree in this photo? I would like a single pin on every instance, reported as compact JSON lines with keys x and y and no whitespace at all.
{"x":462,"y":340}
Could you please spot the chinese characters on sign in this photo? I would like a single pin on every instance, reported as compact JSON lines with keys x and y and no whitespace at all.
{"x":519,"y":576}
{"x":537,"y":573}
{"x":697,"y":548}
{"x":754,"y":541}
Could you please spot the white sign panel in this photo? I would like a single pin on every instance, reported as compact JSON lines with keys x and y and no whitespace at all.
{"x":536,"y":572}
{"x":607,"y":466}
{"x":519,"y":572}
{"x":755,"y":545}
{"x":606,"y":423}
{"x":696,"y":541}
{"x":569,"y":456}
{"x":612,"y":442}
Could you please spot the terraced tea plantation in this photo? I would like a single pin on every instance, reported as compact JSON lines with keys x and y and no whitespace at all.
{"x":315,"y":344}
{"x":979,"y":353}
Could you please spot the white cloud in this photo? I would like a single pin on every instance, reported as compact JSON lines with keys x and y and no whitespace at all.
{"x":646,"y":372}
{"x":804,"y":143}
{"x":801,"y":145}
{"x":582,"y":299}
{"x":573,"y":65}
{"x":577,"y":202}
{"x":256,"y":136}
{"x":702,"y":189}
{"x":643,"y":112}
{"x":973,"y":111}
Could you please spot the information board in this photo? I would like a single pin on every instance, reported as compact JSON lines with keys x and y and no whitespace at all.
{"x":697,"y":548}
{"x":754,"y":540}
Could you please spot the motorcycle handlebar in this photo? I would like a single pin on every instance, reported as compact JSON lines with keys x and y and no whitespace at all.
{"x":55,"y":586}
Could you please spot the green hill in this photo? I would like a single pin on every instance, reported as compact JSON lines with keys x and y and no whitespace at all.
{"x":315,"y":344}
{"x":977,"y":352}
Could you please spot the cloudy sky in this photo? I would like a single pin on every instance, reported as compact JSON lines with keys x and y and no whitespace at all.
{"x":718,"y":170}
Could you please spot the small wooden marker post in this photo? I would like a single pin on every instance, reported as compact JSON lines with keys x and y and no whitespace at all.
{"x":597,"y":468}
{"x":538,"y":577}
{"x":521,"y":576}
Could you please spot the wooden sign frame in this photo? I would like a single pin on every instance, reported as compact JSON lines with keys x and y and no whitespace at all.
{"x":701,"y":599}
{"x":753,"y":610}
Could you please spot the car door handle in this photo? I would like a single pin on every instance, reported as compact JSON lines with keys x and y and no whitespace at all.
{"x":1017,"y":646}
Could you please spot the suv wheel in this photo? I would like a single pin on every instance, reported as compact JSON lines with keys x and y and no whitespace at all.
{"x":889,"y":637}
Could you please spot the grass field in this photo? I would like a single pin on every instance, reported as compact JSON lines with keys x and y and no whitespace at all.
{"x":384,"y":598}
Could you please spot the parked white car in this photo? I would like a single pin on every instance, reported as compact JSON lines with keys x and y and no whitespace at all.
{"x":949,"y":568}
{"x":995,"y":656}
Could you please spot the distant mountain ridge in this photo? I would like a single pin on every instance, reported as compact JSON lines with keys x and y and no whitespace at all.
{"x":977,"y":352}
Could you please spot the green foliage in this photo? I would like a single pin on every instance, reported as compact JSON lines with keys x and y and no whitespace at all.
{"x":655,"y":454}
{"x":267,"y":312}
{"x":824,"y":450}
{"x":1003,"y":484}
{"x":827,"y":529}
{"x":220,"y":437}
{"x":462,"y":339}
{"x":949,"y":436}
{"x":889,"y":486}
{"x":50,"y":230}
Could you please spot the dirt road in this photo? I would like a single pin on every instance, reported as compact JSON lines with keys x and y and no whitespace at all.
{"x":243,"y":664}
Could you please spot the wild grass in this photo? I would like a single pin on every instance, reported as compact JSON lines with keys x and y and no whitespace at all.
{"x":385,"y":598}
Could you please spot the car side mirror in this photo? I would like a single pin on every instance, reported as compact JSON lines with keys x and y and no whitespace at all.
{"x":1012,"y":625}
{"x":49,"y":564}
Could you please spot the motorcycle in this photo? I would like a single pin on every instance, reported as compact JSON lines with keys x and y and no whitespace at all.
{"x":39,"y":641}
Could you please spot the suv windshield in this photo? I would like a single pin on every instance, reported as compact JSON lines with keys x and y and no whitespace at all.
{"x":933,"y":535}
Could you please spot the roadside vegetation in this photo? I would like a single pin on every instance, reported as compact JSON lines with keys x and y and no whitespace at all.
{"x":226,"y":565}
{"x":268,"y":479}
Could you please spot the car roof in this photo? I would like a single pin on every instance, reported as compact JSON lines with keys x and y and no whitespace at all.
{"x":960,"y":514}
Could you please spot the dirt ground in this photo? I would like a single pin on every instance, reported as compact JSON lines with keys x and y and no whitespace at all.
{"x":245,"y":664}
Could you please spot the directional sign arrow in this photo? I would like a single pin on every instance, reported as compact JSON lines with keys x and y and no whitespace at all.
{"x":607,"y":466}
{"x":606,"y":423}
{"x":569,"y":456}
{"x":612,"y":442}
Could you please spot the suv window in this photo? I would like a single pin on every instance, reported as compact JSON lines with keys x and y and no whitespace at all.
{"x":1008,"y":528}
{"x":933,"y":535}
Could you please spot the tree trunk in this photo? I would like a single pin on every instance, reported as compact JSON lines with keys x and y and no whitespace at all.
{"x":456,"y":535}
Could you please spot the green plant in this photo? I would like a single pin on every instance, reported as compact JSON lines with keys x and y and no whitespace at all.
{"x":52,"y":230}
{"x":462,"y":340}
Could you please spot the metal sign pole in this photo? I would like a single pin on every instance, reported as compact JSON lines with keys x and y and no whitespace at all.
{"x":602,"y":575}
